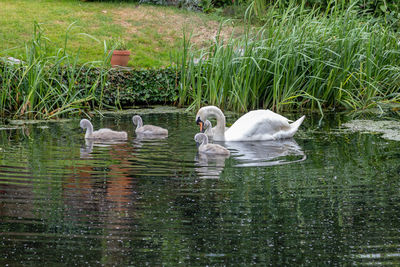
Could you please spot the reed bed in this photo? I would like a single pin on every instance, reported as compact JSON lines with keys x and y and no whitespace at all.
{"x":49,"y":83}
{"x":298,"y":59}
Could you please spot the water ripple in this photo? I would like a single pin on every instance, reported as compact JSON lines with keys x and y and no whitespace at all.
{"x":321,"y":200}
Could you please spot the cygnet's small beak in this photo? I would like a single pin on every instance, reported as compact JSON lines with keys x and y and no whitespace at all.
{"x":197,"y":144}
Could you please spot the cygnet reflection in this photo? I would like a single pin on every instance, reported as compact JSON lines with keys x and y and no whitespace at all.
{"x":142,"y":139}
{"x":210,"y":166}
{"x":87,"y":149}
{"x":266,"y":153}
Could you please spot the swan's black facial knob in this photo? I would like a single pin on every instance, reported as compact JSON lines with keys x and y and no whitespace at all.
{"x":201,"y":123}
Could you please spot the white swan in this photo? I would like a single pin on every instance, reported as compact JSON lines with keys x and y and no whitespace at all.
{"x":204,"y":147}
{"x":101,"y":134}
{"x":147,"y":129}
{"x":256,"y":125}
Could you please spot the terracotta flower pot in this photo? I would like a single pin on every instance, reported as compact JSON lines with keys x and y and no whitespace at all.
{"x":120,"y":58}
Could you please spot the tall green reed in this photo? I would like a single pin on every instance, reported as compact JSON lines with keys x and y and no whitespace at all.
{"x":49,"y":83}
{"x":299,"y":58}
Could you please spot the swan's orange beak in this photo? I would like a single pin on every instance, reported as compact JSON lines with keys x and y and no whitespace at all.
{"x":201,"y":126}
{"x":201,"y":123}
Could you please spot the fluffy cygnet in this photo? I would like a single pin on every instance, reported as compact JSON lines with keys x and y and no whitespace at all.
{"x":204,"y":147}
{"x":147,"y":129}
{"x":101,"y":134}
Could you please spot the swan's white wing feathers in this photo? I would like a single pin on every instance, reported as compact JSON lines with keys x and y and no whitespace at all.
{"x":253,"y":126}
{"x":257,"y":125}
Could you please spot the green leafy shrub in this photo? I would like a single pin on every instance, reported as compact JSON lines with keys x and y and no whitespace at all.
{"x":222,"y":3}
{"x":153,"y":86}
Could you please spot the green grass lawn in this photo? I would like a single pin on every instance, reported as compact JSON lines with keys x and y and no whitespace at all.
{"x":152,"y":33}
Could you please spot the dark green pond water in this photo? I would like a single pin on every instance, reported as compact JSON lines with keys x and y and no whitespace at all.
{"x":325,"y":198}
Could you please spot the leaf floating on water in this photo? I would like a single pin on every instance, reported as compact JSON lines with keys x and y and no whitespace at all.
{"x":389,"y":129}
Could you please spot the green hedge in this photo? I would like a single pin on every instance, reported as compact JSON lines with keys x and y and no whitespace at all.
{"x":152,"y":86}
{"x":125,"y":87}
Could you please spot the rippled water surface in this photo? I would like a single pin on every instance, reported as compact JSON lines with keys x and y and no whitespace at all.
{"x":326,"y":197}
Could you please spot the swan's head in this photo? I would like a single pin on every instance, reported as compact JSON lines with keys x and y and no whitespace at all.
{"x":204,"y":112}
{"x":85,"y":124}
{"x":201,"y":118}
{"x":137,"y":120}
{"x":200,"y":138}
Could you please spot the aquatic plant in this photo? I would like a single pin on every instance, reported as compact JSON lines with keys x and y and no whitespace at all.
{"x":297,"y":59}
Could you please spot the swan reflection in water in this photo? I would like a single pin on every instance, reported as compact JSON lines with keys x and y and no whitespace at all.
{"x":251,"y":154}
{"x":209,"y":166}
{"x":265,"y":153}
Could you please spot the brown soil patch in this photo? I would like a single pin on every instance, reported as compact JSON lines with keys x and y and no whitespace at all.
{"x":169,"y":25}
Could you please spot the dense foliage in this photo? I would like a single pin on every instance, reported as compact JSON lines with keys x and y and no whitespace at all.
{"x":388,"y":11}
{"x":128,"y":87}
{"x":369,"y":6}
{"x":298,"y":59}
{"x":45,"y":91}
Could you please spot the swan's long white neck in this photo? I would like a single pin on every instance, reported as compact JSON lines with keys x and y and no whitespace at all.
{"x":89,"y":130}
{"x":138,"y":121}
{"x":212,"y":111}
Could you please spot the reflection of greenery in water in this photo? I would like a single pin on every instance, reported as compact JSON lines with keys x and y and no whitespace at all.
{"x":143,"y":202}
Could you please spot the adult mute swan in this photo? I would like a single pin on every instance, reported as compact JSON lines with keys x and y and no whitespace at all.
{"x":256,"y":125}
{"x":101,"y":134}
{"x":147,"y":129}
{"x":206,"y":148}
